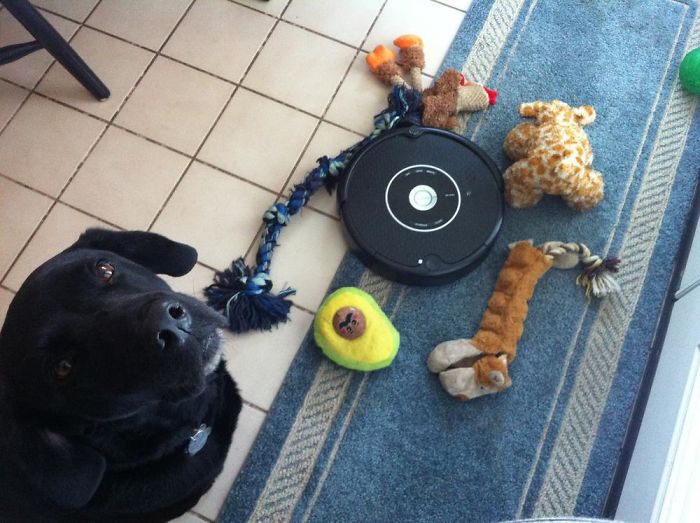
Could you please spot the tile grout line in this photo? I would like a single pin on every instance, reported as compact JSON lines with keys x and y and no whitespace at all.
{"x":193,"y":158}
{"x":6,"y":288}
{"x":358,"y":50}
{"x":48,"y":67}
{"x":57,"y":199}
{"x":103,"y":220}
{"x":200,"y":516}
{"x":254,"y":406}
{"x":4,"y":275}
{"x":216,"y":120}
{"x":169,"y":147}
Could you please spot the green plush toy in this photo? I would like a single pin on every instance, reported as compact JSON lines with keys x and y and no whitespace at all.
{"x":353,"y":331}
{"x":689,"y":72}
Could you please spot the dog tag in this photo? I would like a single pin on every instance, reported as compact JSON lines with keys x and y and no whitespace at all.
{"x":198,"y":439}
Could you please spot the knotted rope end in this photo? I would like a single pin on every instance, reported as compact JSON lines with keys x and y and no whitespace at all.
{"x":246,"y":298}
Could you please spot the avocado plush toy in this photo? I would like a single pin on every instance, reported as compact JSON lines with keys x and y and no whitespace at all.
{"x":353,"y":331}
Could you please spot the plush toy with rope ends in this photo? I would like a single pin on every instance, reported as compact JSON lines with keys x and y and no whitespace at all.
{"x":450,"y":95}
{"x":469,"y":368}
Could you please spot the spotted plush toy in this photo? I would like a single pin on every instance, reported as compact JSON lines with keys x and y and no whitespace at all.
{"x":552,"y":156}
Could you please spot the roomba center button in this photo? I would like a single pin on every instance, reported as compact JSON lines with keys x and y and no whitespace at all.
{"x":422,"y":197}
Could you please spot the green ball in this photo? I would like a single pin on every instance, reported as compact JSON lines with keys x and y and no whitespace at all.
{"x":689,"y":72}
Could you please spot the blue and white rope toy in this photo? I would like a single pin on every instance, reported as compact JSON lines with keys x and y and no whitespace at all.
{"x":244,"y":294}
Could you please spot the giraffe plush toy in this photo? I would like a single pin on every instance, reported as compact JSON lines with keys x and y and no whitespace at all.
{"x":469,"y":368}
{"x":552,"y":156}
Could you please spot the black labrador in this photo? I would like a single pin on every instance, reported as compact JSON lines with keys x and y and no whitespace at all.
{"x":115,"y":403}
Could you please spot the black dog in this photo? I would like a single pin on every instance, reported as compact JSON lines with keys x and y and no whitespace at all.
{"x":115,"y":404}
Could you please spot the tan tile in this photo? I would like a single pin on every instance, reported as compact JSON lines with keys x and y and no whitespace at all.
{"x":60,"y":230}
{"x":215,"y":213}
{"x":28,"y":70}
{"x":258,"y":139}
{"x":340,"y":19}
{"x":359,"y":98}
{"x":249,"y":423}
{"x":300,"y":68}
{"x":125,"y":180}
{"x":21,"y":211}
{"x":219,"y":36}
{"x":11,"y":97}
{"x":45,"y":142}
{"x":188,"y":517}
{"x":437,"y":24}
{"x":329,"y":140}
{"x":143,"y":23}
{"x":5,"y":299}
{"x":192,"y":283}
{"x":175,"y":105}
{"x":118,"y":64}
{"x":310,"y":249}
{"x":259,"y":361}
{"x":73,"y":9}
{"x":271,"y":7}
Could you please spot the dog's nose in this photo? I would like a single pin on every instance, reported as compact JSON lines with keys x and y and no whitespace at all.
{"x":169,"y":322}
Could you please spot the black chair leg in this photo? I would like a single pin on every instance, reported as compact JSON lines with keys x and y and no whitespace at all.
{"x":54,"y":43}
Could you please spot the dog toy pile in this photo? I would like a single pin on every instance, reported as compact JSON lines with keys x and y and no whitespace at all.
{"x":689,"y":72}
{"x":353,"y":331}
{"x":469,"y":368}
{"x":552,"y":156}
{"x":243,"y":293}
{"x":449,"y":96}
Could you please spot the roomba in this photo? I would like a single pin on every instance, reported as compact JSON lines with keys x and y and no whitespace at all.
{"x":421,"y":206}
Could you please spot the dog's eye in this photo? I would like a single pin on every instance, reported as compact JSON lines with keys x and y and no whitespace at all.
{"x":105,"y":270}
{"x":63,"y":369}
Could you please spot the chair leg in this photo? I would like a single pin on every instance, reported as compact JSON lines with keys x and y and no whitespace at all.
{"x":54,"y":43}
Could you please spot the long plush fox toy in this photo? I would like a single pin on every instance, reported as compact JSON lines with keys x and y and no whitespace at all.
{"x":469,"y":368}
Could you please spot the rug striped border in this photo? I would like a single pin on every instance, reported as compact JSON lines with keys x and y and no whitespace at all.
{"x":574,"y":442}
{"x":309,"y":432}
{"x":299,"y":453}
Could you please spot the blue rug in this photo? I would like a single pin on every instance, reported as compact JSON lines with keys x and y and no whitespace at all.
{"x":392,"y":445}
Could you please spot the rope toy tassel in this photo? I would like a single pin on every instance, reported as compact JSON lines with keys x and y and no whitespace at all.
{"x":246,"y":300}
{"x":243,"y":293}
{"x":596,"y":276}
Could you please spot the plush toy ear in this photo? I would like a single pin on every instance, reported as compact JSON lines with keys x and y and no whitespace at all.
{"x":584,"y":114}
{"x":66,"y":472}
{"x":532,"y":109}
{"x":153,"y":251}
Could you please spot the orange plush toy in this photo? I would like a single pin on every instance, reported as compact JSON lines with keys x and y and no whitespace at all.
{"x":451,"y":94}
{"x":552,"y":156}
{"x":469,"y":368}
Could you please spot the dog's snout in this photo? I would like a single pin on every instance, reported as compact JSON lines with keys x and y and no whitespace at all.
{"x":169,"y":322}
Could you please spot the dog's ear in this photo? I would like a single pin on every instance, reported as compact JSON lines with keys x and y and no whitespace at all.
{"x":153,"y":251}
{"x":66,"y":472}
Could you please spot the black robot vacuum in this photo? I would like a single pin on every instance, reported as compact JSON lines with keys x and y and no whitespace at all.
{"x":421,"y":206}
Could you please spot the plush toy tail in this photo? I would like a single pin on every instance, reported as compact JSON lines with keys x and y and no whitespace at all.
{"x":244,"y":294}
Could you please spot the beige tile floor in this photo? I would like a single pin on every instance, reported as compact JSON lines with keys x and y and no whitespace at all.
{"x":217,"y":108}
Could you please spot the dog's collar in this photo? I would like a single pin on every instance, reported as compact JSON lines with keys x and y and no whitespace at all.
{"x":198,"y":439}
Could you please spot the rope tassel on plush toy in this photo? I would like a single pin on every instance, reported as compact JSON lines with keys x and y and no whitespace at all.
{"x":469,"y":368}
